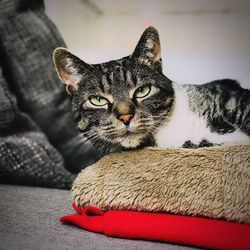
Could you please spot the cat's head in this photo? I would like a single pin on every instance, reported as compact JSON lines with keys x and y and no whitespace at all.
{"x":120,"y":103}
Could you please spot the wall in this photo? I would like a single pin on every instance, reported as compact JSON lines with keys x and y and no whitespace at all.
{"x":201,"y":40}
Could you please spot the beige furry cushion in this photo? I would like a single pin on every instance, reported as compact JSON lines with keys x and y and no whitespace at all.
{"x":212,"y":182}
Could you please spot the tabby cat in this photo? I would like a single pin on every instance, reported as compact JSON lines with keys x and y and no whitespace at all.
{"x":129,"y":103}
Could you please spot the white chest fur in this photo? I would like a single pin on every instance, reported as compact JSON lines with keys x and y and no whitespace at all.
{"x":184,"y":125}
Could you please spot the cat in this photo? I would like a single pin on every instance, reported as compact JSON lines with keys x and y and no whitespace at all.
{"x":129,"y":103}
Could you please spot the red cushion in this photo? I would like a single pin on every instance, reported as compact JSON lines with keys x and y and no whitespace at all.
{"x":193,"y":231}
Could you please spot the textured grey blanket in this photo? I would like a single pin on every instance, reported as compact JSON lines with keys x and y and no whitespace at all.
{"x":39,"y":144}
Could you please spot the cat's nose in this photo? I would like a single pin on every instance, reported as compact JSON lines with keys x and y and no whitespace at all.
{"x":126,"y":118}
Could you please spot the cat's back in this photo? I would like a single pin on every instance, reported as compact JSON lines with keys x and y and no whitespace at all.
{"x":223,"y":88}
{"x":224,"y":104}
{"x":222,"y":84}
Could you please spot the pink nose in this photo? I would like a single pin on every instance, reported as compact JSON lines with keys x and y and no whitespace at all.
{"x":126,"y":118}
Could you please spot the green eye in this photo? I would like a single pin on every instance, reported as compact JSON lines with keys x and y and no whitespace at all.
{"x":142,"y":91}
{"x":98,"y":100}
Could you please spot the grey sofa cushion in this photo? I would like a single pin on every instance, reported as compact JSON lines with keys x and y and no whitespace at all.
{"x":26,"y":156}
{"x":30,"y":220}
{"x":27,"y":40}
{"x":39,"y":144}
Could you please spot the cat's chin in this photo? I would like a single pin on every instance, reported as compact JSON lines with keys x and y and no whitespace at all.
{"x":130,"y":142}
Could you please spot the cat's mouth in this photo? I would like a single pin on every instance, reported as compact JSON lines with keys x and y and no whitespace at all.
{"x":129,"y":133}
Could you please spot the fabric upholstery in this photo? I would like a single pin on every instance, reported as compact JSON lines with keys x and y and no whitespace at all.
{"x":29,"y":219}
{"x":26,"y":156}
{"x":39,"y":143}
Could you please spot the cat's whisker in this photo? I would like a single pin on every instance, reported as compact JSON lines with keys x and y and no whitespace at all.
{"x":108,"y":131}
{"x":85,"y":133}
{"x":92,"y":137}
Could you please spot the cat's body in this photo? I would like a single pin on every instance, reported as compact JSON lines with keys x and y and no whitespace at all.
{"x":203,"y":116}
{"x":129,"y":103}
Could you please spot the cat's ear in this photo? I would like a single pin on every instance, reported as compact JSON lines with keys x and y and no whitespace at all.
{"x":70,"y":69}
{"x":148,"y":49}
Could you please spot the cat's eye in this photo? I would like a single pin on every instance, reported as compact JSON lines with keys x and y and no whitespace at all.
{"x":142,"y":91}
{"x":98,"y":100}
